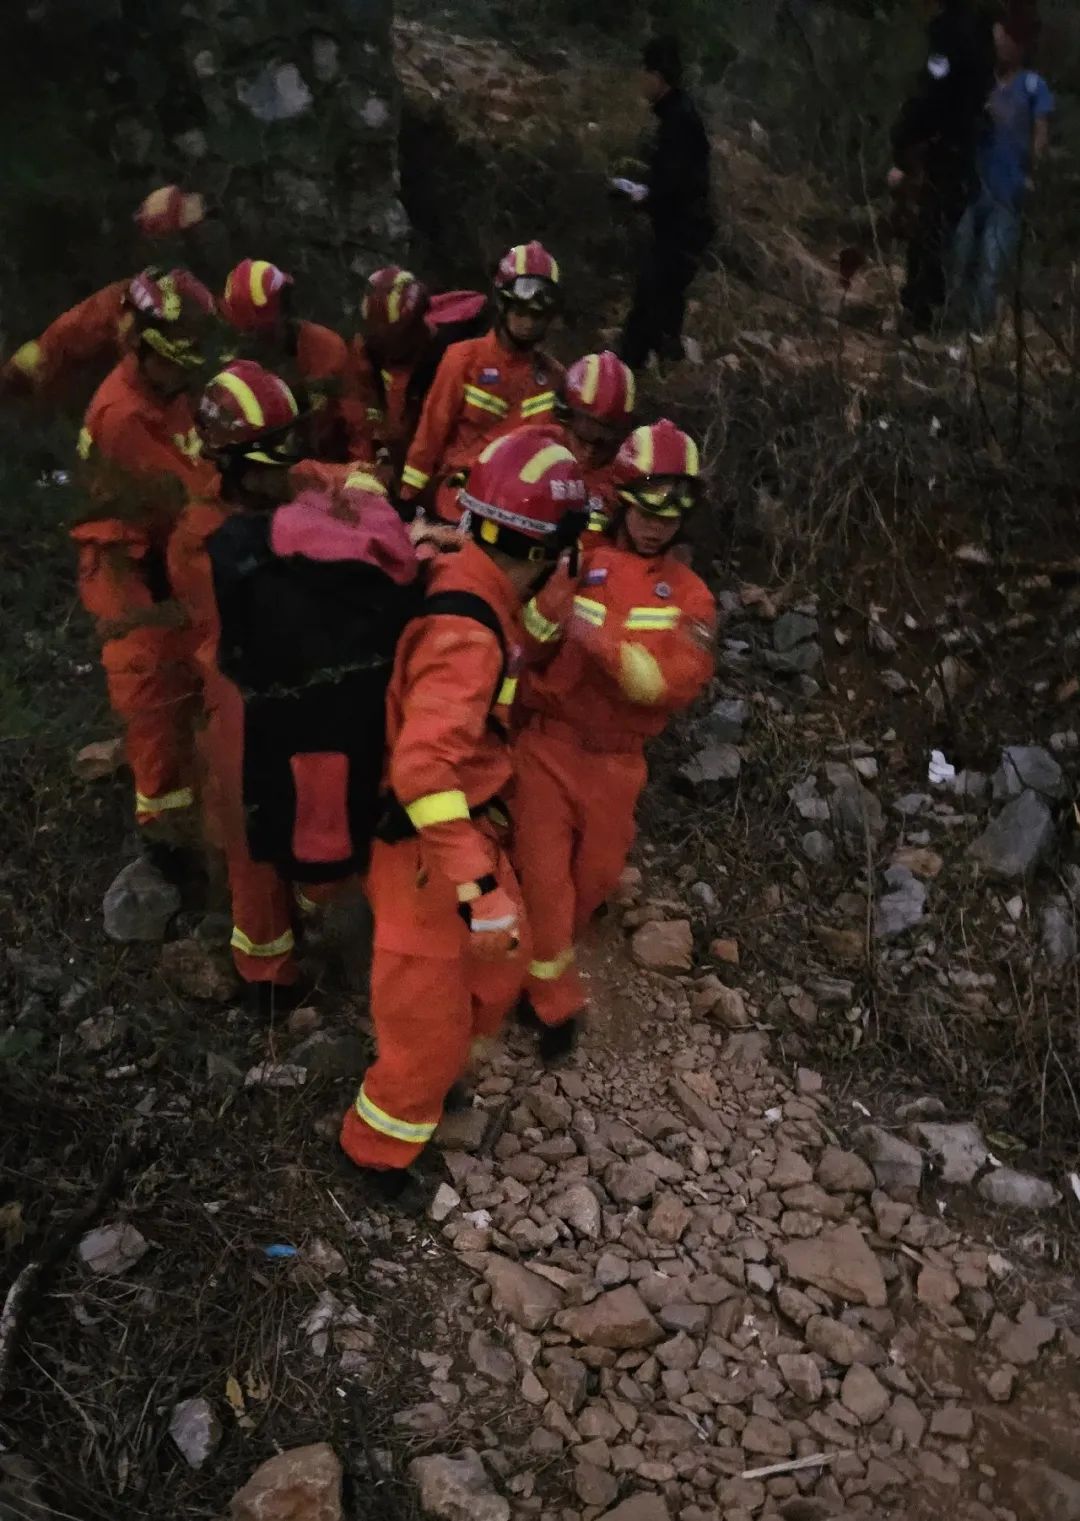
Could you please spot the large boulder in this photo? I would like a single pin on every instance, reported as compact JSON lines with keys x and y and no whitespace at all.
{"x":302,"y":1484}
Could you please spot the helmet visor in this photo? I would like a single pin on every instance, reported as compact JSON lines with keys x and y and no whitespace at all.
{"x":530,"y":292}
{"x":660,"y":498}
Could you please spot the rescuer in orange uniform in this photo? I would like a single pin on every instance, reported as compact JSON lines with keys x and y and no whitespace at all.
{"x":610,"y":656}
{"x":91,"y":334}
{"x":312,"y":359}
{"x":405,"y":332}
{"x":247,"y":420}
{"x":486,"y":387}
{"x":451,"y":942}
{"x":595,"y":407}
{"x":142,"y":456}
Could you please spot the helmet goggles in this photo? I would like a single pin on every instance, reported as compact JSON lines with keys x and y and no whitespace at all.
{"x":530,"y":293}
{"x":669,"y":497}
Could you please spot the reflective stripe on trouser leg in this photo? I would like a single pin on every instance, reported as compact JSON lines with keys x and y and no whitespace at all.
{"x":150,"y":690}
{"x":545,"y":830}
{"x":263,"y":947}
{"x":421,"y":1010}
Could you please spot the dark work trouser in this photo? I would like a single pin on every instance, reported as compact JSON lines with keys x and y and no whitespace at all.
{"x":654,"y":324}
{"x":942,"y":203}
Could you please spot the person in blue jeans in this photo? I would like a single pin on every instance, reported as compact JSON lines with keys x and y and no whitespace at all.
{"x":1017,"y":132}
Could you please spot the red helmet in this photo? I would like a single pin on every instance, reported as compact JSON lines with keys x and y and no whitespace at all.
{"x":168,"y":211}
{"x":525,"y":496}
{"x":170,"y":311}
{"x":657,"y":470}
{"x":255,"y":295}
{"x":394,"y":300}
{"x":246,"y":413}
{"x":528,"y":275}
{"x":600,"y":387}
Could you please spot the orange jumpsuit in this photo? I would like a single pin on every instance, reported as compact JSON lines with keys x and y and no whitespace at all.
{"x":589,"y":701}
{"x":263,"y":943}
{"x":339,"y":427}
{"x":430,"y":997}
{"x":389,"y":417}
{"x":86,"y":336}
{"x":143,"y":456}
{"x":482,"y":389}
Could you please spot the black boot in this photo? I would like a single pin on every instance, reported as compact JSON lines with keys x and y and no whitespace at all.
{"x":527,"y":1016}
{"x":457,"y":1100}
{"x":557,"y":1042}
{"x":395,"y":1188}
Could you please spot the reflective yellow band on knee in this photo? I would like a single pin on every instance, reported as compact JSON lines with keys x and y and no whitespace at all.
{"x":551,"y":971}
{"x":279,"y":947}
{"x":437,"y":808}
{"x":385,"y":1124}
{"x":183,"y":797}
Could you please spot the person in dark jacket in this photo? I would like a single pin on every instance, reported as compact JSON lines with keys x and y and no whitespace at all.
{"x":675,"y":198}
{"x":934,"y":143}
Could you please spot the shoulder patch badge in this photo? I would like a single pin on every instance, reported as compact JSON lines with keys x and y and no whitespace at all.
{"x":489,"y":377}
{"x":596,"y":577}
{"x":663,"y":589}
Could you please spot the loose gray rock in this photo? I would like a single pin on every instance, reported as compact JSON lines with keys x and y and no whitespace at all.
{"x":490,"y":1360}
{"x":139,"y":904}
{"x":1013,"y":844}
{"x":863,"y":1395}
{"x":580,"y":1209}
{"x":457,"y":1489}
{"x":664,"y":946}
{"x":112,"y":1249}
{"x":792,"y":629}
{"x":898,"y":1166}
{"x":802,"y":1376}
{"x":619,"y":1319}
{"x":643,"y":1507}
{"x":1018,"y":1190}
{"x":716,"y":763}
{"x":727,"y":719}
{"x":1047,"y":1492}
{"x":800,"y":661}
{"x":195,"y":1429}
{"x":856,"y":813}
{"x":818,"y":848}
{"x":842,"y":1344}
{"x":1028,"y":766}
{"x":527,"y":1298}
{"x":839,"y":1262}
{"x":959,"y":1150}
{"x":1058,"y":932}
{"x":901,"y":909}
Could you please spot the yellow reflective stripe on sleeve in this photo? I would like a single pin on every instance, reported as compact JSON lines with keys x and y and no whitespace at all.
{"x":279,"y":947}
{"x":385,"y":1124}
{"x":537,"y":626}
{"x":496,"y":405}
{"x":532,"y":406}
{"x":590,"y":611}
{"x":183,"y":797}
{"x":410,"y":476}
{"x":86,"y":443}
{"x":598,"y":522}
{"x":437,"y":808}
{"x":653,"y":617}
{"x":29,"y":358}
{"x":551,"y":971}
{"x":507,"y":693}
